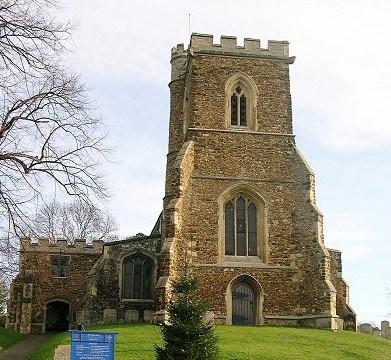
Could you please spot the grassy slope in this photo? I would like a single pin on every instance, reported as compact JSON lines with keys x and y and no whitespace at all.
{"x":47,"y":349}
{"x":136,"y":342}
{"x":8,"y":338}
{"x":297,"y":343}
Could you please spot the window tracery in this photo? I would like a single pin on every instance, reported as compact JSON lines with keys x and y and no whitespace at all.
{"x":137,"y":277}
{"x":59,"y":267}
{"x":238,"y":107}
{"x":243,"y":226}
{"x":241,"y":95}
{"x":240,"y":227}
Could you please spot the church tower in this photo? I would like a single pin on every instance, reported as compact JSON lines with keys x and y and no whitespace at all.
{"x":239,"y":206}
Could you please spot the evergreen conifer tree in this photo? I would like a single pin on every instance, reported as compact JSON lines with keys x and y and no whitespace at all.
{"x":187,"y":335}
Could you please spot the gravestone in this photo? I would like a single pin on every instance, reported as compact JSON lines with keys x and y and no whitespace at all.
{"x":110,"y":316}
{"x":132,"y":316}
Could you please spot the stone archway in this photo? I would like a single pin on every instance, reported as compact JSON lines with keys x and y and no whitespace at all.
{"x":57,"y":316}
{"x":244,"y":299}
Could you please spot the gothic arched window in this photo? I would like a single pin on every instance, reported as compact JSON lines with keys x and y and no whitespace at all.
{"x":241,"y":99}
{"x":238,"y":107}
{"x":241,"y":227}
{"x":137,"y":277}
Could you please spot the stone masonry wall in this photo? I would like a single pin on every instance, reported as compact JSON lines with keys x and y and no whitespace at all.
{"x":208,"y":99}
{"x":35,"y":286}
{"x":344,"y":311}
{"x":265,"y":161}
{"x":295,"y":277}
{"x":104,"y":303}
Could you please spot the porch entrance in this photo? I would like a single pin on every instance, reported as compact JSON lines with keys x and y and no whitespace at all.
{"x":57,"y":316}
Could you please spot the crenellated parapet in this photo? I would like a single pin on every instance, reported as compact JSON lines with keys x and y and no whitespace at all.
{"x":61,"y":245}
{"x":203,"y":43}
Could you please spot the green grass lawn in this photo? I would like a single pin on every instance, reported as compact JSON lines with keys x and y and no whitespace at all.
{"x":8,"y":338}
{"x":136,"y":342}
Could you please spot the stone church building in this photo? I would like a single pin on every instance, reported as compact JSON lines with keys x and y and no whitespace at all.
{"x":239,"y":210}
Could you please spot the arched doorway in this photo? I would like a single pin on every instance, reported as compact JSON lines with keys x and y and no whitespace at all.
{"x":244,"y":299}
{"x":244,"y":305}
{"x":57,"y":316}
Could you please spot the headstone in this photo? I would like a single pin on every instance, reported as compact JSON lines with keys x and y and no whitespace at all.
{"x":209,"y":317}
{"x":148,"y":316}
{"x":365,"y":328}
{"x":109,"y":316}
{"x":349,"y":322}
{"x":385,"y":325}
{"x":340,"y":324}
{"x":132,"y":316}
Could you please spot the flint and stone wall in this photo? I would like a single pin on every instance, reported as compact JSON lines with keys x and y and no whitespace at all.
{"x":297,"y":281}
{"x":104,"y":303}
{"x":35,"y":286}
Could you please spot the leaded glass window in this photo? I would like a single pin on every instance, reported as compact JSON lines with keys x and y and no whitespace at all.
{"x":137,"y":277}
{"x":234,"y":109}
{"x":59,"y":267}
{"x":243,"y":111}
{"x":229,"y":229}
{"x":240,"y":227}
{"x":238,"y":107}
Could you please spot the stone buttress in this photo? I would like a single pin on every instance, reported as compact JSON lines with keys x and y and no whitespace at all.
{"x":239,"y":207}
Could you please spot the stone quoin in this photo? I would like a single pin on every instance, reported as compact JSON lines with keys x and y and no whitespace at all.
{"x":239,"y":211}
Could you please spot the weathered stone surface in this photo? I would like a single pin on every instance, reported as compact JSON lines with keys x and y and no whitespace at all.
{"x":295,"y":279}
{"x":148,"y":316}
{"x":384,"y":332}
{"x":365,"y":328}
{"x":291,"y":279}
{"x":106,"y":279}
{"x":131,"y":316}
{"x":35,"y":286}
{"x":110,"y":316}
{"x":62,"y":352}
{"x":385,"y":329}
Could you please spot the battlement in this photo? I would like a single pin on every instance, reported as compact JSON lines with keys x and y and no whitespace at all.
{"x":203,"y":43}
{"x":61,"y":245}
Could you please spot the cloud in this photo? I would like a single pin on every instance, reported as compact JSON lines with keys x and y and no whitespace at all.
{"x":137,"y":203}
{"x":340,"y":81}
{"x":353,"y":116}
{"x":351,"y":233}
{"x":340,"y":90}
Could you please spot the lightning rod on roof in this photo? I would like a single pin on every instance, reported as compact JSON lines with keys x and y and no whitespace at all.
{"x":189,"y":25}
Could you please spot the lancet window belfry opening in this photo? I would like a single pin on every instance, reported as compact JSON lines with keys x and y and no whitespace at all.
{"x":241,"y":234}
{"x":137,"y":277}
{"x":238,"y":107}
{"x":241,"y":97}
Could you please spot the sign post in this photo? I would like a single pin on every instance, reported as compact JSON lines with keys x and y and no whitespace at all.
{"x":92,"y":345}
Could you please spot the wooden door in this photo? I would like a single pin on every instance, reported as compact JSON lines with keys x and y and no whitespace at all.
{"x":243,"y":305}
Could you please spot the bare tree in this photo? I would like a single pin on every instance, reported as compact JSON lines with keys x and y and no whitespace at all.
{"x":48,"y":131}
{"x":76,"y":220}
{"x":3,"y":299}
{"x":9,"y":246}
{"x":50,"y":137}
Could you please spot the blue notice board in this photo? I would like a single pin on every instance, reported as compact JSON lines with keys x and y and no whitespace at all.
{"x":92,"y":345}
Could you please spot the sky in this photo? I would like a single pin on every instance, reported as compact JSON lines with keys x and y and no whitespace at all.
{"x":340,"y":85}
